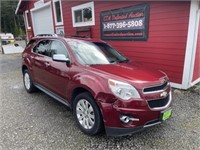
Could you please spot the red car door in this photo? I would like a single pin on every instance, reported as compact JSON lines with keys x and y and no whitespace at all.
{"x":58,"y":72}
{"x":41,"y":61}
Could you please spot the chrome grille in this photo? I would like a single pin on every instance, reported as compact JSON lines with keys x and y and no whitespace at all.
{"x":155,"y":88}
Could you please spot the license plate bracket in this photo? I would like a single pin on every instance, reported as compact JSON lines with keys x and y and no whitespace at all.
{"x":166,"y":114}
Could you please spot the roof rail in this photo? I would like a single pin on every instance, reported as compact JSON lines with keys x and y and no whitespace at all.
{"x":62,"y":35}
{"x":55,"y":35}
{"x":76,"y":36}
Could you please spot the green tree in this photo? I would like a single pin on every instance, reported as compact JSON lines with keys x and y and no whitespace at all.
{"x":11,"y":23}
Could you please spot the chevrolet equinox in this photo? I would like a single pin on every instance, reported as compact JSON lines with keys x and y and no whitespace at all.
{"x":104,"y":89}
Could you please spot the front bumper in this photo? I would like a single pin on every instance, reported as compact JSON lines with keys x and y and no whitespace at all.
{"x":138,"y":109}
{"x":113,"y":131}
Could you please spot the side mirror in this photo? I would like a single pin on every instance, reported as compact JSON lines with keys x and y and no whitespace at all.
{"x":61,"y":58}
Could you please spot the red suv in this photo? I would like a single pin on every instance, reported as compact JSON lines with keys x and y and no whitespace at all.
{"x":104,"y":89}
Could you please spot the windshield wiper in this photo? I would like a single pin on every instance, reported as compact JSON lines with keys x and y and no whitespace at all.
{"x":113,"y":61}
{"x":122,"y":61}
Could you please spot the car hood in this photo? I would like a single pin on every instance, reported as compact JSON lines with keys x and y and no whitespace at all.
{"x":134,"y":72}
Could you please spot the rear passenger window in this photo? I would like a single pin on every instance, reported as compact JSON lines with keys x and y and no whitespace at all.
{"x":58,"y":47}
{"x":43,"y":48}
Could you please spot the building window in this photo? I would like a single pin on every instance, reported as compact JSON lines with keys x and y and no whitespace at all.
{"x":83,"y":15}
{"x":60,"y":30}
{"x":58,"y":12}
{"x":28,"y":21}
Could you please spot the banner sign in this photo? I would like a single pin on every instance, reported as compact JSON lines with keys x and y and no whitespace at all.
{"x":130,"y":23}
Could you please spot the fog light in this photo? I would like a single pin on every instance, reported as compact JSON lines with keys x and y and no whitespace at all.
{"x":126,"y":119}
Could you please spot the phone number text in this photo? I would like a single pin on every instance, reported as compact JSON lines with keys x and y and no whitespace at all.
{"x":124,"y":25}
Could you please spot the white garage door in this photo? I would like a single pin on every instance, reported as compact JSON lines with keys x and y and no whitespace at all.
{"x":42,"y":21}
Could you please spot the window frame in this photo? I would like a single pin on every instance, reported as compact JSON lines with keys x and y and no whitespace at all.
{"x":32,"y":50}
{"x":28,"y":24}
{"x":80,"y":7}
{"x":54,"y":12}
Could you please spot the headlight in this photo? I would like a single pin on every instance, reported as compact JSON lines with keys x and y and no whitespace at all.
{"x":123,"y":90}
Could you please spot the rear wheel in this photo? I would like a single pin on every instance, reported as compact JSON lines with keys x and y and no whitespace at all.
{"x":28,"y":84}
{"x":87,"y":114}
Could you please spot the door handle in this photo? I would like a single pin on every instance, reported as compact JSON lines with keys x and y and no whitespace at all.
{"x":47,"y":64}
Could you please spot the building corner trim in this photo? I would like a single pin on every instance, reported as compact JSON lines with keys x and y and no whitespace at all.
{"x":190,"y":45}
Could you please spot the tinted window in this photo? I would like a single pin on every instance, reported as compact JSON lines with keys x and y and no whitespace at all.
{"x":110,"y":53}
{"x":43,"y":47}
{"x":58,"y":47}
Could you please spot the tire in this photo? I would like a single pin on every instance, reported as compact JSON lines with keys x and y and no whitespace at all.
{"x":87,"y":114}
{"x":28,"y":84}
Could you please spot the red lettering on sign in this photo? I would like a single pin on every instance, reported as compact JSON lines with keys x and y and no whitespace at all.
{"x":135,"y":15}
{"x":107,"y":18}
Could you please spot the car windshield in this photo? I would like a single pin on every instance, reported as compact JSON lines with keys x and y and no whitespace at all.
{"x":93,"y":53}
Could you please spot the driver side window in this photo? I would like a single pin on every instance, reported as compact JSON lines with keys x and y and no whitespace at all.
{"x":58,"y":47}
{"x":43,"y":48}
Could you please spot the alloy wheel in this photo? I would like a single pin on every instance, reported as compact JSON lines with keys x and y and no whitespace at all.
{"x":27,"y":81}
{"x":85,"y":114}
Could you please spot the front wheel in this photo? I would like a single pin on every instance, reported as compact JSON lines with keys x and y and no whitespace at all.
{"x":28,"y":84}
{"x":87,"y":114}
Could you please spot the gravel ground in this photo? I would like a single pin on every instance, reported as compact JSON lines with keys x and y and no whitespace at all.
{"x":36,"y":121}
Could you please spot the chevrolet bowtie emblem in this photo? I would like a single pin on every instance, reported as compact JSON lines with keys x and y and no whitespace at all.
{"x":163,"y":94}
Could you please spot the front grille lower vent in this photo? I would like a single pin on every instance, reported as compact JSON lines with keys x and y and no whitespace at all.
{"x":155,"y":88}
{"x":158,"y":102}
